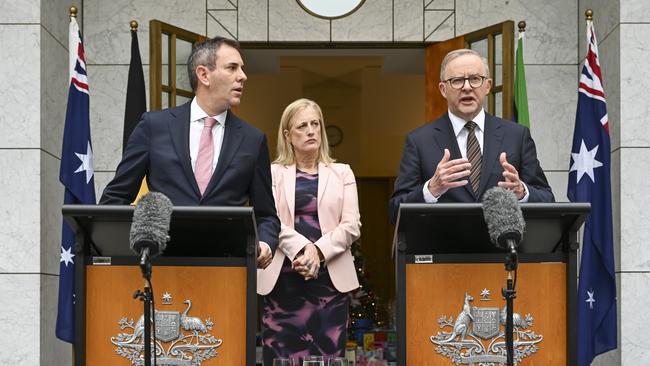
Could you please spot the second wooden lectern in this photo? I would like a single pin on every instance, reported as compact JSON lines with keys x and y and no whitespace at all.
{"x":450,"y":310}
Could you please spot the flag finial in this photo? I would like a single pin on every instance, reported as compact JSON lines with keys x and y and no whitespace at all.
{"x":522,"y":26}
{"x":73,"y":12}
{"x":589,"y":14}
{"x":134,"y":26}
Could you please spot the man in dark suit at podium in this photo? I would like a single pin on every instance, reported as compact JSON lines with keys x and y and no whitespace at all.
{"x":200,"y":153}
{"x":457,"y":157}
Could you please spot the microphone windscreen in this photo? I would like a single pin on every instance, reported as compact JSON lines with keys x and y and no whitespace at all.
{"x":150,"y":225}
{"x":502,"y":215}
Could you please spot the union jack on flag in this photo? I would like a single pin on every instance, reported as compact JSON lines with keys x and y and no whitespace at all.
{"x":589,"y":181}
{"x":77,"y":176}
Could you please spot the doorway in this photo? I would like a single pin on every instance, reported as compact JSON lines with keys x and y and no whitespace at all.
{"x":373,"y":98}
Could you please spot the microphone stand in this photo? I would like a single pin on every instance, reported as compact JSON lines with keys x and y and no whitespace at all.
{"x":509,"y":293}
{"x":146,"y":297}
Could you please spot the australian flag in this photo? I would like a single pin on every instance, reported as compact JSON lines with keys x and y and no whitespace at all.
{"x":76,"y":174}
{"x":589,"y":181}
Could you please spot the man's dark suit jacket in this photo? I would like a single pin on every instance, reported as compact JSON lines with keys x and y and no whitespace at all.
{"x":159,"y":149}
{"x":425,"y":146}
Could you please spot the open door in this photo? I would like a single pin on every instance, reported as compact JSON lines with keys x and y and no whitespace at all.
{"x":496,"y":43}
{"x":168,"y":82}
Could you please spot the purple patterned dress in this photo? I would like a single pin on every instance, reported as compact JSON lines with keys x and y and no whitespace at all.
{"x":301,"y":317}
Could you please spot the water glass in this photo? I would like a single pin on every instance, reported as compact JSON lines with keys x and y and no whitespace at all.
{"x":313,"y":361}
{"x":282,"y":362}
{"x":338,"y":361}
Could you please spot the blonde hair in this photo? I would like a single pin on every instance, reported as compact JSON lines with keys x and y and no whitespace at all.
{"x":285,"y":154}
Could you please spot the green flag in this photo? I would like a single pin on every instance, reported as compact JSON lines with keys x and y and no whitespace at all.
{"x":520,"y":114}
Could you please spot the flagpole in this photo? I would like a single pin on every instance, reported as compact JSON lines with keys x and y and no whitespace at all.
{"x":520,"y":99}
{"x":72,"y":12}
{"x":73,"y":15}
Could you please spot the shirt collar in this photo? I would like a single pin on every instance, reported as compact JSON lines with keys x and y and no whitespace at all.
{"x":458,"y":123}
{"x":198,"y":114}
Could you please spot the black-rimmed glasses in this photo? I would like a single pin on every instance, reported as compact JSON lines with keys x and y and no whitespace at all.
{"x":475,"y":81}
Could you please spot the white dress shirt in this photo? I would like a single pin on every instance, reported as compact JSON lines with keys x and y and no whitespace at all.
{"x":197,"y":117}
{"x":461,"y":133}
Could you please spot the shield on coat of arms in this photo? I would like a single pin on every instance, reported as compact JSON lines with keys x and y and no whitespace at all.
{"x":167,"y":325}
{"x":486,"y":322}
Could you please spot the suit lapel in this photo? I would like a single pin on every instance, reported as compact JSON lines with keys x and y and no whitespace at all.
{"x":445,"y":137}
{"x":323,"y":178}
{"x":179,"y":129}
{"x":492,"y":142}
{"x":289,"y":183}
{"x":232,"y":139}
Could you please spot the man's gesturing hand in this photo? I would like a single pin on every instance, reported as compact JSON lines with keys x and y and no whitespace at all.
{"x":447,"y":175}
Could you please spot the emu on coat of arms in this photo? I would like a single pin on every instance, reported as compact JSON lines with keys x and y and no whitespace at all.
{"x":464,"y":343}
{"x":190,"y":342}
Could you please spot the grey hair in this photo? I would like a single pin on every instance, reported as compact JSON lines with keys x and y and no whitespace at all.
{"x":461,"y":52}
{"x":205,"y":54}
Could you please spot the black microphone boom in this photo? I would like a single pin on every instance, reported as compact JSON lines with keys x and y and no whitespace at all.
{"x":503,"y":217}
{"x":150,"y":226}
{"x":506,"y":225}
{"x":148,"y":238}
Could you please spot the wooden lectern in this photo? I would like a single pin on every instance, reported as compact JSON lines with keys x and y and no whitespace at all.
{"x":450,"y":310}
{"x":204,"y":288}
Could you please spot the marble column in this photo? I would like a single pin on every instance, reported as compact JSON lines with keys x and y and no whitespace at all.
{"x":634,"y":200}
{"x":34,"y":63}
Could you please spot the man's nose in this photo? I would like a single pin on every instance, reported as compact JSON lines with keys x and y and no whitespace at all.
{"x":242,"y":75}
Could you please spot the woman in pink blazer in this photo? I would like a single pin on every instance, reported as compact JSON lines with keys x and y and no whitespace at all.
{"x":306,"y":287}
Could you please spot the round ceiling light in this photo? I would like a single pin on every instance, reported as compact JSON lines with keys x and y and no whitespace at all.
{"x":330,"y":9}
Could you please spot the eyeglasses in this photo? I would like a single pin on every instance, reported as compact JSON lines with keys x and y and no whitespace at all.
{"x":475,"y":81}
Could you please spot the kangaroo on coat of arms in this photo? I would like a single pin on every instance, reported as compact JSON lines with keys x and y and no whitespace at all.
{"x":463,"y":320}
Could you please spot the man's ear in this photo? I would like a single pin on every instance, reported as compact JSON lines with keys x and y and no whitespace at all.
{"x":488,"y":85}
{"x":443,"y":89}
{"x":202,"y":73}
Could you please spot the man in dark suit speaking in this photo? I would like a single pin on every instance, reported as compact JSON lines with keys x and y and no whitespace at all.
{"x":457,"y":157}
{"x":200,"y":153}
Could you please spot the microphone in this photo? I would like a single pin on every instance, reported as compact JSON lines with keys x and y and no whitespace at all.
{"x":503,"y":217}
{"x":150,"y":226}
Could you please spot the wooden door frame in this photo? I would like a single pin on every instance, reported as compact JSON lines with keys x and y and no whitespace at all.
{"x":156,"y":87}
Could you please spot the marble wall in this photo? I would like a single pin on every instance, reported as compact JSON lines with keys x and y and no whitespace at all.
{"x":33,"y":37}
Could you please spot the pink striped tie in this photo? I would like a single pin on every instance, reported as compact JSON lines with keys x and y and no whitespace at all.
{"x":203,"y":169}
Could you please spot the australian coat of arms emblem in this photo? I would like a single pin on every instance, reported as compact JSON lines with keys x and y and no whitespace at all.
{"x":477,"y":336}
{"x":180,"y":339}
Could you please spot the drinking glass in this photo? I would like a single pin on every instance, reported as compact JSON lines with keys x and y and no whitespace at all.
{"x":313,"y":361}
{"x":338,"y":361}
{"x":282,"y":362}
